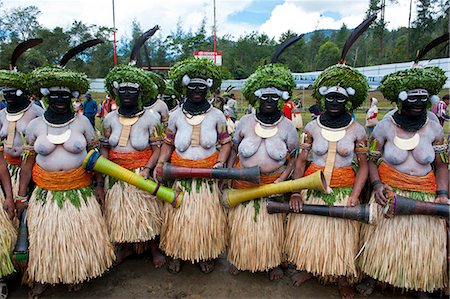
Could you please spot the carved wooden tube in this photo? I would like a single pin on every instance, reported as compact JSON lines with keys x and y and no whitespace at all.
{"x":361,"y":213}
{"x":170,"y":172}
{"x":401,"y":205}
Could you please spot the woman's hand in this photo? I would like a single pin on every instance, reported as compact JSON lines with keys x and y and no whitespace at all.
{"x":8,"y":206}
{"x":296,"y":202}
{"x":380,"y":196}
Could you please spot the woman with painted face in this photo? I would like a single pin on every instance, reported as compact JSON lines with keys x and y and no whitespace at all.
{"x":323,"y":246}
{"x":408,"y":154}
{"x":269,"y":140}
{"x":196,"y":231}
{"x":18,"y":113}
{"x":68,"y":238}
{"x":133,"y":216}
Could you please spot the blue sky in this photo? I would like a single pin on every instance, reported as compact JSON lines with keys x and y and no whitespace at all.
{"x":256,"y":13}
{"x":234,"y":17}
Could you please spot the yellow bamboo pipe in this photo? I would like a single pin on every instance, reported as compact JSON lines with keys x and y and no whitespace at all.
{"x":233,"y":197}
{"x":95,"y":161}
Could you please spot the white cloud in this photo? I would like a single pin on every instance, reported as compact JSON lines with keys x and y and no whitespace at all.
{"x":306,"y":16}
{"x":165,"y":13}
{"x":298,"y":15}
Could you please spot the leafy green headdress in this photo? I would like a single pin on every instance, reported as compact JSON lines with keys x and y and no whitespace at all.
{"x":44,"y":78}
{"x":13,"y":78}
{"x":342,"y":79}
{"x":395,"y":86}
{"x":182,"y":72}
{"x":130,"y":74}
{"x":275,"y":76}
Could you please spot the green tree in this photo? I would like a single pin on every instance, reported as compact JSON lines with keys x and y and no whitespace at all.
{"x":328,"y":55}
{"x":21,"y":23}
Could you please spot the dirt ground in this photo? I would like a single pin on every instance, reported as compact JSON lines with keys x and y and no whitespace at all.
{"x":137,"y":278}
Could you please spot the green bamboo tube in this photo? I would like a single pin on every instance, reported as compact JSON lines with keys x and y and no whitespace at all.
{"x":95,"y":161}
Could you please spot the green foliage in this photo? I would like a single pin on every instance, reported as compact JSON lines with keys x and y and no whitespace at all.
{"x":13,"y":79}
{"x":127,"y":73}
{"x":328,"y":55}
{"x":430,"y":78}
{"x":194,"y":68}
{"x":344,"y":76}
{"x":272,"y":75}
{"x":51,"y":76}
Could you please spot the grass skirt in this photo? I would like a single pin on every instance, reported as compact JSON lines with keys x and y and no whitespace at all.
{"x":256,"y":237}
{"x":132,"y":215}
{"x":324,"y":246}
{"x":68,"y":237}
{"x":8,"y":236}
{"x":197,"y":230}
{"x":408,"y":252}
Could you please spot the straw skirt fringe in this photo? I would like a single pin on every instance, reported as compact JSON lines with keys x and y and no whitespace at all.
{"x":68,"y":244}
{"x":408,"y":252}
{"x":255,"y":244}
{"x":132,"y":215}
{"x":197,"y":230}
{"x":323,"y":246}
{"x":8,"y":236}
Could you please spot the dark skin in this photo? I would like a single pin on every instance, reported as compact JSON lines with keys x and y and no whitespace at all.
{"x":196,"y":92}
{"x":335,"y":106}
{"x":5,"y":179}
{"x":414,"y":106}
{"x":268,"y":106}
{"x":59,"y":103}
{"x":129,"y":102}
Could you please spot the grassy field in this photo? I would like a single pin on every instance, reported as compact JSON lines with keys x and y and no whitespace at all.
{"x":307,"y":100}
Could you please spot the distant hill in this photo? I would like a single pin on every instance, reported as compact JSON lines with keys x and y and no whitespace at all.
{"x":326,"y":32}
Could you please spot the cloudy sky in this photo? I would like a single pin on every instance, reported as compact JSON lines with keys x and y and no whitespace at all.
{"x":234,"y":17}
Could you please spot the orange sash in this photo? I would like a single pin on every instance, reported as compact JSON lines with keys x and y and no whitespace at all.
{"x":264,"y":179}
{"x":392,"y":177}
{"x":61,"y":180}
{"x":341,"y":177}
{"x":13,"y":160}
{"x":130,"y":160}
{"x":177,"y":160}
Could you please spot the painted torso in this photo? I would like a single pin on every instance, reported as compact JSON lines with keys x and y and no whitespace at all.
{"x":60,"y":157}
{"x":161,"y":108}
{"x":269,"y":153}
{"x":413,"y":162}
{"x":345,"y":147}
{"x":31,"y":113}
{"x":211,"y":127}
{"x":140,"y":133}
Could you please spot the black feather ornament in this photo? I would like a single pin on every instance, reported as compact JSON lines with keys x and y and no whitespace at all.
{"x":283,"y":46}
{"x":78,"y":49}
{"x":21,"y":48}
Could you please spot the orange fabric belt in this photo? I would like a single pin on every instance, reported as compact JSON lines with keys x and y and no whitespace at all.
{"x":61,"y":180}
{"x":177,"y":160}
{"x":130,"y":160}
{"x":392,"y":177}
{"x":341,"y":177}
{"x":264,"y":179}
{"x":13,"y":160}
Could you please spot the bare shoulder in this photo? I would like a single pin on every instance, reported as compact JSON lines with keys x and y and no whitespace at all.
{"x":109,"y":117}
{"x":435,"y":129}
{"x":37,"y":110}
{"x":35,"y":125}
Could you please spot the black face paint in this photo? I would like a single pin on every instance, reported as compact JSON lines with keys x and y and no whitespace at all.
{"x":196,"y":92}
{"x":268,"y":111}
{"x":196,"y":102}
{"x":128,"y":100}
{"x":413,"y":115}
{"x":335,"y":116}
{"x":59,"y":107}
{"x":15,"y":103}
